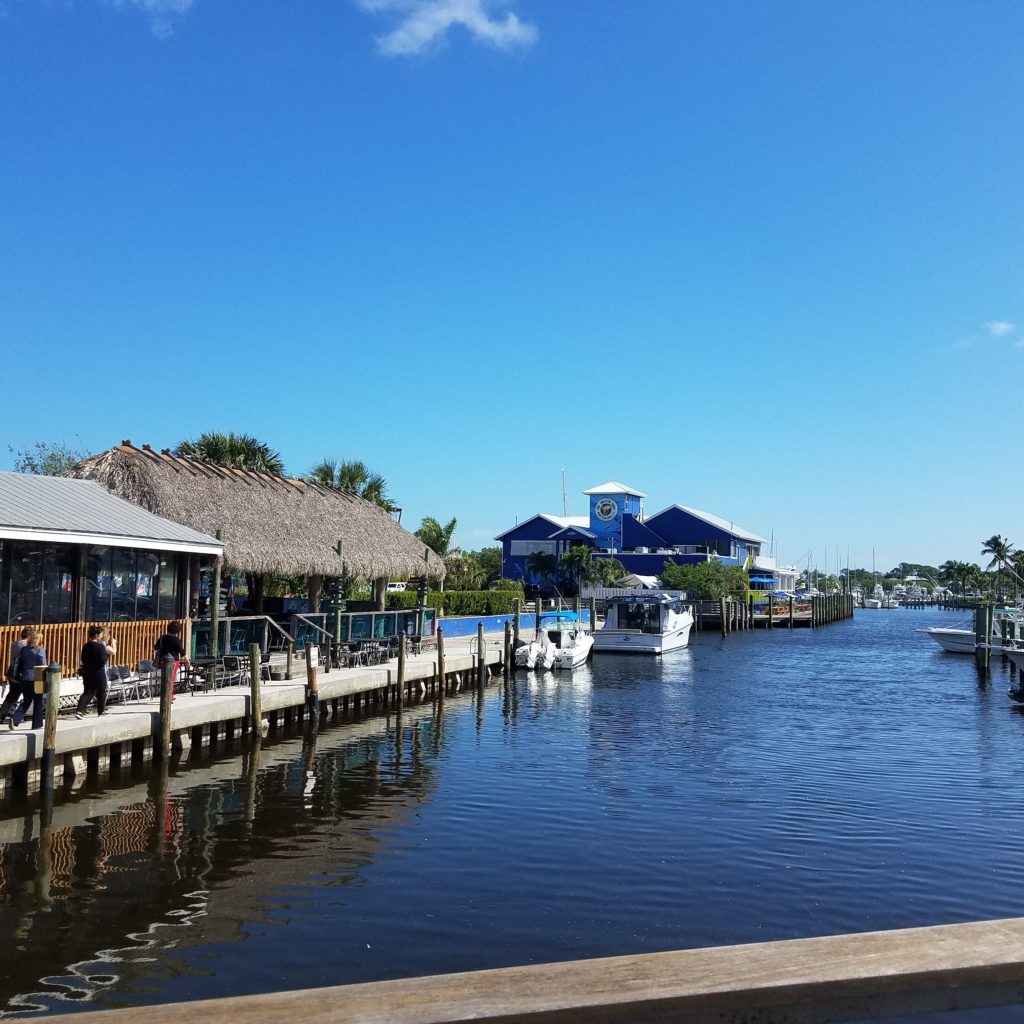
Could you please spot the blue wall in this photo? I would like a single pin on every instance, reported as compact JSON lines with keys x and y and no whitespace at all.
{"x":466,"y":626}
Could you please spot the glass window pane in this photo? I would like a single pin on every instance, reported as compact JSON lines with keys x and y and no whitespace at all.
{"x":167,"y":587}
{"x":57,"y":583}
{"x":26,"y":583}
{"x":97,"y":584}
{"x":123,"y":583}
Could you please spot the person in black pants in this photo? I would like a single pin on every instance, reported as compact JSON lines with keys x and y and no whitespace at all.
{"x":95,"y":657}
{"x":169,"y":645}
{"x":23,"y":686}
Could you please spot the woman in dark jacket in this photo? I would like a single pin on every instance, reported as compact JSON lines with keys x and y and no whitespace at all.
{"x":169,"y":645}
{"x":23,"y":686}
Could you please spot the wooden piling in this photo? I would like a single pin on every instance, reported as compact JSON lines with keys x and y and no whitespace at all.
{"x":516,"y":610}
{"x":260,"y":726}
{"x":312,"y":693}
{"x":401,"y":669}
{"x":50,"y":727}
{"x":506,"y":658}
{"x":441,"y":677}
{"x":162,"y":749}
{"x":593,"y":614}
{"x":791,"y":614}
{"x":724,"y":617}
{"x":481,"y":655}
{"x":288,"y":659}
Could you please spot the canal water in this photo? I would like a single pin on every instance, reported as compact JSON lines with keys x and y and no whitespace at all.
{"x":767,"y":786}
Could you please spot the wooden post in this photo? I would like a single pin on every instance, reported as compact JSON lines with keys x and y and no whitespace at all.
{"x":288,"y":662}
{"x":215,"y":604}
{"x":265,"y":643}
{"x":440,"y":660}
{"x":722,"y":613}
{"x":771,"y":613}
{"x":506,"y":651}
{"x":791,"y":614}
{"x":593,"y":614}
{"x":401,"y":669}
{"x":516,"y":611}
{"x":163,"y":746}
{"x":312,"y":693}
{"x":50,"y":726}
{"x":259,"y":725}
{"x":481,"y":655}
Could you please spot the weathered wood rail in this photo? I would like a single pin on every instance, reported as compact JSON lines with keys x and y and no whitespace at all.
{"x":63,"y":641}
{"x":834,"y":978}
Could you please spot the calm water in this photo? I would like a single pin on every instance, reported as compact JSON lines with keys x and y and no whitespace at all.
{"x":771,"y":786}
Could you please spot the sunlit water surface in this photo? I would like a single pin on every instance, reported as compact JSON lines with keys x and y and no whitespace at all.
{"x":769,"y":786}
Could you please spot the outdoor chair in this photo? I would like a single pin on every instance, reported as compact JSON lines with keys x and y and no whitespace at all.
{"x":116,"y":689}
{"x":148,"y":678}
{"x":231,"y":671}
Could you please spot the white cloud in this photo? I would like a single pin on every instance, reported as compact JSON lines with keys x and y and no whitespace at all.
{"x":1000,"y":328}
{"x":161,"y":13}
{"x":423,"y":24}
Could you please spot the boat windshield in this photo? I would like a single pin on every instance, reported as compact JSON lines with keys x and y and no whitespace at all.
{"x":636,"y":615}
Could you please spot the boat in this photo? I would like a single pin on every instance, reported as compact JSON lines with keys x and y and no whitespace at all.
{"x":644,"y":623}
{"x":569,"y":642}
{"x":876,"y":598}
{"x":534,"y":653}
{"x":963,"y":640}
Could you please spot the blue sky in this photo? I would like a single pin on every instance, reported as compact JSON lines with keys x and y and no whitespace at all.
{"x":764,"y":259}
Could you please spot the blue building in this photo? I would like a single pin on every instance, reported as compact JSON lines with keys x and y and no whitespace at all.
{"x":616,"y":527}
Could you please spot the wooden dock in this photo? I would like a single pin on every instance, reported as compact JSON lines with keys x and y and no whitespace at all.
{"x":128,"y":734}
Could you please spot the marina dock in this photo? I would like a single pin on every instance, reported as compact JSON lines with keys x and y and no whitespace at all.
{"x":128,"y":733}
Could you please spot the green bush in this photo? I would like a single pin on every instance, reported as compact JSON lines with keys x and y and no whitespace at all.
{"x":401,"y":600}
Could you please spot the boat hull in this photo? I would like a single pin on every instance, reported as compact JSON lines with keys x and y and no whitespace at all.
{"x":568,"y":658}
{"x":629,"y":641}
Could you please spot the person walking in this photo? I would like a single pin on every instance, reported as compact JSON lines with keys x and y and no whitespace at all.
{"x":95,"y":658}
{"x":10,"y":671}
{"x":23,"y":686}
{"x":169,"y":645}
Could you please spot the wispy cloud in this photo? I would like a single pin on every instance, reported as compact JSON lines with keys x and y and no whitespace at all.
{"x":162,"y":14}
{"x":1000,"y":328}
{"x":424,"y":24}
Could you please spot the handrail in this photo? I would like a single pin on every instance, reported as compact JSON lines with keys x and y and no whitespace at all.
{"x":837,"y":977}
{"x":310,"y":622}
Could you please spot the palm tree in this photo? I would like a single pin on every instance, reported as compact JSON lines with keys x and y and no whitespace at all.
{"x":999,"y":548}
{"x":355,"y":476}
{"x":578,"y":563}
{"x":437,"y":537}
{"x":233,"y":451}
{"x":541,"y":564}
{"x":464,"y":572}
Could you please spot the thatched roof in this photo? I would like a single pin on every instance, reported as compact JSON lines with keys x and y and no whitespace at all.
{"x":269,"y":523}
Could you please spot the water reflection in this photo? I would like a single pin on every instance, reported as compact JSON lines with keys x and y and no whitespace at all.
{"x":186,"y":861}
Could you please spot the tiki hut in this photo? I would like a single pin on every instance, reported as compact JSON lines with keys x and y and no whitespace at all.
{"x":269,"y":524}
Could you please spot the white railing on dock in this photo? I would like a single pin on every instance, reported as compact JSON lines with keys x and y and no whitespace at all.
{"x":840,"y":977}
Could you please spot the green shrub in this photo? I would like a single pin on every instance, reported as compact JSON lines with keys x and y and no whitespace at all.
{"x":460,"y":602}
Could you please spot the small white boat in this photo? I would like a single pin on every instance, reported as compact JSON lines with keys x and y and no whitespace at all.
{"x":644,"y":623}
{"x":961,"y":640}
{"x":872,"y":602}
{"x":570,"y":642}
{"x":527,"y":654}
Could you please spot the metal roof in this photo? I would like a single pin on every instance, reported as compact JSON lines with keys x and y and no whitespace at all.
{"x":69,"y":511}
{"x":562,"y":522}
{"x":722,"y":524}
{"x":614,"y":487}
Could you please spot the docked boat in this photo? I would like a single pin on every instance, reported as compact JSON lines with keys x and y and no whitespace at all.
{"x":536,"y":653}
{"x":644,"y":623}
{"x":962,"y":640}
{"x":569,"y":642}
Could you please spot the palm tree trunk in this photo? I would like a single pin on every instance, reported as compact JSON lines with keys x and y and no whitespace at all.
{"x":315,"y":584}
{"x":380,"y":588}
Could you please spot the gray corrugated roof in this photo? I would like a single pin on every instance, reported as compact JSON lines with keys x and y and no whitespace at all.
{"x":72,"y":510}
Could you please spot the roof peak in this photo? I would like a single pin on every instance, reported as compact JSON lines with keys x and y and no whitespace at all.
{"x":614,"y":487}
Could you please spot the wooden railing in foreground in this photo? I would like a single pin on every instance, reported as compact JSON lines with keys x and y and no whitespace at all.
{"x":63,"y":641}
{"x":841,"y":977}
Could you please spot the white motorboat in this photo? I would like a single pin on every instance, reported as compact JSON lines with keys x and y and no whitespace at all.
{"x":872,"y":602}
{"x":527,"y":654}
{"x":644,"y":623}
{"x":570,"y":643}
{"x":962,"y":640}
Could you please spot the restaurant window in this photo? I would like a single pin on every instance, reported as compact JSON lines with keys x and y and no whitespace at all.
{"x":98,"y":569}
{"x":35,"y":582}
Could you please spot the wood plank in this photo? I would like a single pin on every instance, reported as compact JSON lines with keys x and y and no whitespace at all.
{"x":841,"y":977}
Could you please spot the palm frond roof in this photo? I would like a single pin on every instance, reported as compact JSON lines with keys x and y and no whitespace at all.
{"x":269,"y":523}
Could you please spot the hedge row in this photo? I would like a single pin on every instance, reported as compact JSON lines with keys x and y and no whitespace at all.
{"x":459,"y":602}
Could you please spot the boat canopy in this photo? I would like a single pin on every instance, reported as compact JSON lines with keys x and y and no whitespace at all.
{"x":549,"y":619}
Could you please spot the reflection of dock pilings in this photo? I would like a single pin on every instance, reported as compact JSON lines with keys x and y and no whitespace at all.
{"x":133,"y":735}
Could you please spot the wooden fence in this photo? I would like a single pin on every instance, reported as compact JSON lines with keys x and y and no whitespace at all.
{"x":63,"y":641}
{"x":839,"y":977}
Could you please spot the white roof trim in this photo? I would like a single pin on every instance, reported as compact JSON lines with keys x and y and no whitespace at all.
{"x":560,"y":521}
{"x":614,"y":487}
{"x":109,"y":540}
{"x":721,"y":524}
